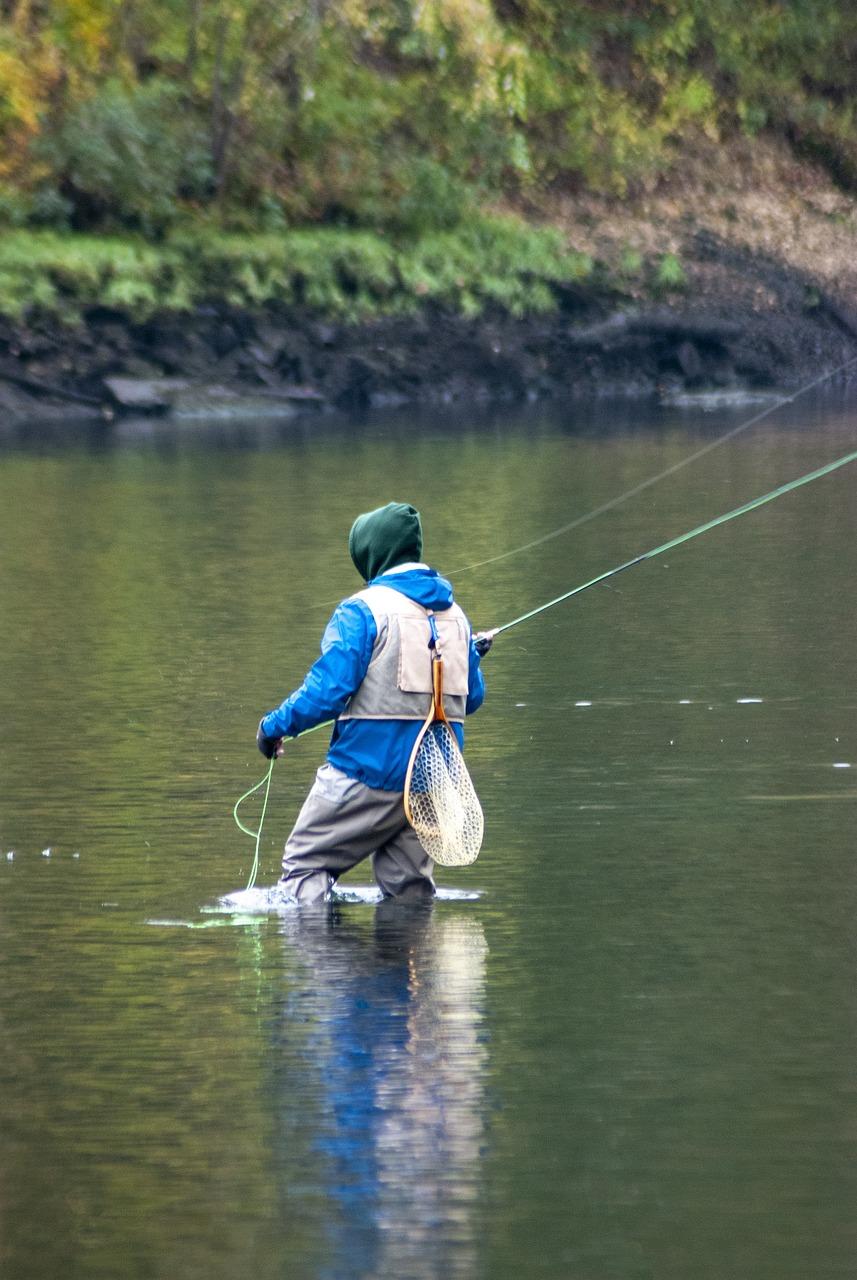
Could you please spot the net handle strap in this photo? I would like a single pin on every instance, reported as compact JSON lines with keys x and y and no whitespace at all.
{"x":435,"y":711}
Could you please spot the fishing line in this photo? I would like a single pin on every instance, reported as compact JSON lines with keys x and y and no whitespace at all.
{"x":745,"y":507}
{"x":683,"y":537}
{"x":255,"y":835}
{"x":644,"y":484}
{"x":662,"y":475}
{"x":266,"y":783}
{"x":610,"y":573}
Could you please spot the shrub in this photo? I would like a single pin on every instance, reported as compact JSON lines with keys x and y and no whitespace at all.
{"x":349,"y":275}
{"x":62,"y":274}
{"x":130,"y":155}
{"x":669,"y":274}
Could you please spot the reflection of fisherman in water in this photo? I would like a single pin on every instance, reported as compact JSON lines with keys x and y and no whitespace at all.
{"x":394,"y":1011}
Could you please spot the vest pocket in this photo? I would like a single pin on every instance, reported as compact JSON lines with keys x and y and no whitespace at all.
{"x":414,"y":674}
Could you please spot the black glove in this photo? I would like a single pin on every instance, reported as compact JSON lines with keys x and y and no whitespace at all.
{"x":268,"y":746}
{"x":483,"y":642}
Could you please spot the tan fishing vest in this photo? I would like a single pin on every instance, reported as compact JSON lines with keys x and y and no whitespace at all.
{"x":397,"y":684}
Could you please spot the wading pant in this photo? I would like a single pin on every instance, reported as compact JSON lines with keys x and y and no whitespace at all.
{"x":341,"y":823}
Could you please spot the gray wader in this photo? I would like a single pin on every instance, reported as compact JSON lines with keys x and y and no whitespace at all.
{"x":341,"y":823}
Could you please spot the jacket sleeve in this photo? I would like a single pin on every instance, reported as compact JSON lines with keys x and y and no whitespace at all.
{"x":475,"y":682}
{"x":346,"y":649}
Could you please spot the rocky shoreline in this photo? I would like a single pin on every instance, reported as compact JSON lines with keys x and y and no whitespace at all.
{"x":742,"y":322}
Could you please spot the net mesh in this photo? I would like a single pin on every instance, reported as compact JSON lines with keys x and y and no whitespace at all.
{"x":441,"y":803}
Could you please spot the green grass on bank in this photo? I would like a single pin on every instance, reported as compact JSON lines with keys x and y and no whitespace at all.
{"x":343,"y":275}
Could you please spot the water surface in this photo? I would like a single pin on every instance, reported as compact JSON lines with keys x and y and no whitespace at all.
{"x":631,"y":1056}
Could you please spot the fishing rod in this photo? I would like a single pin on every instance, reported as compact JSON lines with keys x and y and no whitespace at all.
{"x":683,"y":537}
{"x":620,"y":498}
{"x":637,"y":489}
{"x":745,"y":507}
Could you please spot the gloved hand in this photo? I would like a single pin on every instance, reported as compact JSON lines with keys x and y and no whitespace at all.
{"x":268,"y":746}
{"x":483,"y":641}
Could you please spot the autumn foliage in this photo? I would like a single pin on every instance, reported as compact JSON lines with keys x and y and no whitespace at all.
{"x":403,"y":116}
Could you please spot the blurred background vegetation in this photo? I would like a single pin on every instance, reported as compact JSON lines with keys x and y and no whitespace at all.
{"x":174,"y":125}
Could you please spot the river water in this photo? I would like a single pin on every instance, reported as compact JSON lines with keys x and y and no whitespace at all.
{"x":628,"y":1051}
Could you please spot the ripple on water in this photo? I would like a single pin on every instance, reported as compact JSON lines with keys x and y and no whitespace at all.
{"x":271,"y":899}
{"x":245,"y":904}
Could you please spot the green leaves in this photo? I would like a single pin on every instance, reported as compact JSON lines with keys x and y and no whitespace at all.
{"x":129,"y":154}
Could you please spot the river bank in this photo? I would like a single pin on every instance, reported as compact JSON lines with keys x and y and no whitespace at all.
{"x":758,"y":333}
{"x":733,"y":280}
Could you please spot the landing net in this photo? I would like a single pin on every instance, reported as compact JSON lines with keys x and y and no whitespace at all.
{"x":440,"y":801}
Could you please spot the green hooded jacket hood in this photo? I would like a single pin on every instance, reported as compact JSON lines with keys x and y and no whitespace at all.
{"x":381,"y":539}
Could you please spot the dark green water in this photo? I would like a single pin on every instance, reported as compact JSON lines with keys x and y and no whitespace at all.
{"x":632,"y":1057}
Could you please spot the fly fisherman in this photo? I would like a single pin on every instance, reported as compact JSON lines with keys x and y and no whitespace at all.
{"x":374,"y":679}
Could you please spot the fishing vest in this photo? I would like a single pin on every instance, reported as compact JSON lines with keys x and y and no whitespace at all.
{"x":398,"y":680}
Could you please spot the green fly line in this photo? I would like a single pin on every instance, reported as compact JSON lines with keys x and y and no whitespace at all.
{"x":746,"y":507}
{"x":621,"y":498}
{"x":266,"y":783}
{"x":643,"y":485}
{"x":257,"y":834}
{"x":683,"y":537}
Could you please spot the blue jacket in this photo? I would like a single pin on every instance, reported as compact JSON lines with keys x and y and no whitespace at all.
{"x":375,"y":752}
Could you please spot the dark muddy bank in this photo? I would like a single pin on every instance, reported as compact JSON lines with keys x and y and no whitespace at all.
{"x":741,"y":322}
